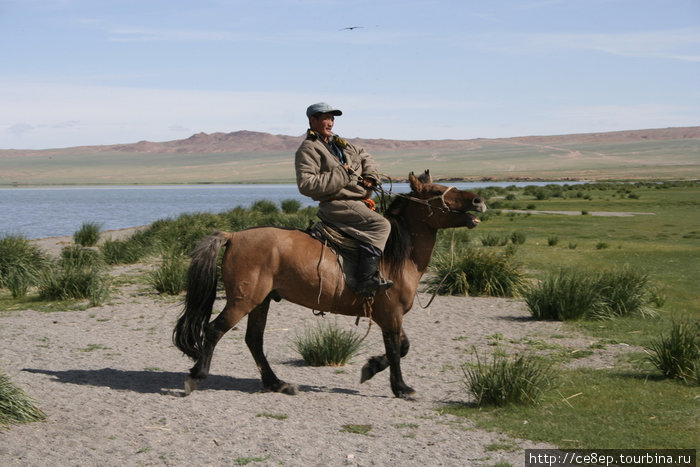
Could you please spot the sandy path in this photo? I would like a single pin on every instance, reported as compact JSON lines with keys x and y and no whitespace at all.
{"x":110,"y":382}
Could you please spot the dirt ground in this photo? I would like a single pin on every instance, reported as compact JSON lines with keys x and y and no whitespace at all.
{"x":111,"y":384}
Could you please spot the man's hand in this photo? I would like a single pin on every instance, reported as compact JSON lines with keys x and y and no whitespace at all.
{"x":368,"y":183}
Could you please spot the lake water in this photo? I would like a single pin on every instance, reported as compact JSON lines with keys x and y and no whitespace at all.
{"x":60,"y":211}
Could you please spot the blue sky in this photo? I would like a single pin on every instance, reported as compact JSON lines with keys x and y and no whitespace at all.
{"x":83,"y":72}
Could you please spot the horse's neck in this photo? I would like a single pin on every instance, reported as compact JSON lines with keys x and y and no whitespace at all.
{"x":423,"y":239}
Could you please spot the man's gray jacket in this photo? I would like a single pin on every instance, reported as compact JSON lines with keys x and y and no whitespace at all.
{"x":321,"y":176}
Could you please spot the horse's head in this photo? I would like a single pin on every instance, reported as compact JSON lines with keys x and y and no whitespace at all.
{"x":446,"y":206}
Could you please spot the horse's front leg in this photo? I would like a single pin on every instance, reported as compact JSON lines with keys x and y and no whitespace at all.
{"x":379,"y":362}
{"x":393,"y":345}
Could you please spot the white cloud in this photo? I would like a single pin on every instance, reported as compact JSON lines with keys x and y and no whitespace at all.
{"x":20,"y":128}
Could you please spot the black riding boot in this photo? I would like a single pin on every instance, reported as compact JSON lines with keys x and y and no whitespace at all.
{"x":369,"y":281}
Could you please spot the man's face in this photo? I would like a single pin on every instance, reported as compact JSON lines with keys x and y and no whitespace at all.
{"x":322,"y":124}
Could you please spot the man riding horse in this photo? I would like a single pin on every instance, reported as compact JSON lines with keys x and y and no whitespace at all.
{"x":342,"y":176}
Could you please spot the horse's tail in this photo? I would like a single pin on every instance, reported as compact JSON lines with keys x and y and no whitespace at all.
{"x":188,"y":335}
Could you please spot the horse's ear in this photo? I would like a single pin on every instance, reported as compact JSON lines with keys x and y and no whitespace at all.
{"x":425,"y":177}
{"x":415,"y":182}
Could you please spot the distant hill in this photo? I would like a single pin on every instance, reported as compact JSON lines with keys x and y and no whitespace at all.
{"x":252,"y":142}
{"x":249,"y":157}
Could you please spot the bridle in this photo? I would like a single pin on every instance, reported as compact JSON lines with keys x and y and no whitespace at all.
{"x":426,"y":202}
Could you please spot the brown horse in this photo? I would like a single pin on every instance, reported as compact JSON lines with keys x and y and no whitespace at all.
{"x":269,"y":263}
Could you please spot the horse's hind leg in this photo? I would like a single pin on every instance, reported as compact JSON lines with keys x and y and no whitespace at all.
{"x":255,"y":331}
{"x":213,"y":332}
{"x":380,"y":362}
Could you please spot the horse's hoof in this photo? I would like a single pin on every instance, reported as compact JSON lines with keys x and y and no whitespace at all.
{"x":406,"y":393}
{"x":367,"y":373}
{"x":283,"y":388}
{"x":190,"y":385}
{"x":289,"y":389}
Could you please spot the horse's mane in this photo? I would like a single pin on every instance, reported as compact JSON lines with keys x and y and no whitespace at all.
{"x":399,"y":246}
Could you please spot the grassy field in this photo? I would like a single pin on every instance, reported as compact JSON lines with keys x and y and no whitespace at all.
{"x":633,"y":406}
{"x":663,"y":241}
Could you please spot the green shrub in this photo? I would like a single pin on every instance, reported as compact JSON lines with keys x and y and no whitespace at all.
{"x":81,"y":257}
{"x":122,"y":251}
{"x":541,"y":194}
{"x":21,"y":264}
{"x":290,"y":206}
{"x":677,"y":354}
{"x":506,"y":381}
{"x":80,"y":273}
{"x":552,"y":240}
{"x":264,"y":206}
{"x":572,"y":294}
{"x":88,"y":234}
{"x":180,"y":235}
{"x":624,"y":292}
{"x":475,"y":272}
{"x":566,"y":295}
{"x":494,"y":240}
{"x":510,"y":250}
{"x":518,"y":237}
{"x":15,"y":405}
{"x":171,"y":276}
{"x":602,"y":246}
{"x":327,"y":345}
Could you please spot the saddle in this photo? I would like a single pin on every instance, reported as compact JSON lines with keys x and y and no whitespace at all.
{"x":345,"y":248}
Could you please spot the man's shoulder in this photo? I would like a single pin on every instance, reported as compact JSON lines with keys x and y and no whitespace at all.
{"x":309,"y":142}
{"x":309,"y":146}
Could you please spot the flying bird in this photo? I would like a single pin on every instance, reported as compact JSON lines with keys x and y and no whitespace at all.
{"x":350,"y":28}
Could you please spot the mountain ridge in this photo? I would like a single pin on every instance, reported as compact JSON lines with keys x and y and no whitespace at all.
{"x":241,"y":141}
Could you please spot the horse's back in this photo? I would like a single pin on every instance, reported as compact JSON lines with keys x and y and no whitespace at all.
{"x":272,"y":240}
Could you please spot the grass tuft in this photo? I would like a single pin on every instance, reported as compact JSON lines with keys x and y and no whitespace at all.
{"x":290,"y":206}
{"x":80,"y":273}
{"x":171,"y":276}
{"x":21,"y":264}
{"x":15,"y":405}
{"x":327,"y":345}
{"x":88,"y":234}
{"x":494,"y":240}
{"x":518,"y":237}
{"x":357,"y":429}
{"x":506,"y":381}
{"x":677,"y":354}
{"x":475,"y":272}
{"x":571,"y":294}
